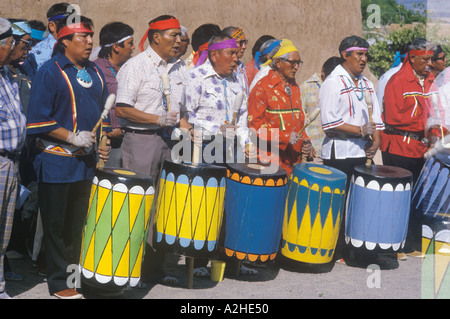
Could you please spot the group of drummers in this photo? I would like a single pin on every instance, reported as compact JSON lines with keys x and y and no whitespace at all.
{"x":93,"y":110}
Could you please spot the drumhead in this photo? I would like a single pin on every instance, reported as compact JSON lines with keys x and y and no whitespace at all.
{"x":257,"y":170}
{"x":384,"y":173}
{"x":125,"y":176}
{"x":188,"y":169}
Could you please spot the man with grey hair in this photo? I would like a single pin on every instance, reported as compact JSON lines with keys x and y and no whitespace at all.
{"x":13,"y":125}
{"x":267,"y":51}
{"x":407,"y":109}
{"x":184,"y":43}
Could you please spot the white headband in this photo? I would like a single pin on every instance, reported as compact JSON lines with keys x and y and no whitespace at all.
{"x":120,"y":41}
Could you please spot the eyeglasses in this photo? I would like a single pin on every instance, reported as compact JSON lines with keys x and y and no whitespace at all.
{"x":294,"y":62}
{"x":28,"y":43}
{"x":242,"y":42}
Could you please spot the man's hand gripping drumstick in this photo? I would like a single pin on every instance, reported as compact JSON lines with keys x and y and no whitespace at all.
{"x":103,"y":149}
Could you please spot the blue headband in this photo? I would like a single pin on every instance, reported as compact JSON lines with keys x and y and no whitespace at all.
{"x":57,"y":17}
{"x":259,"y":55}
{"x":37,"y":34}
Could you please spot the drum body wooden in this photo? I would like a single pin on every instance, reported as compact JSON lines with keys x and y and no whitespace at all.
{"x":378,"y":207}
{"x":254,"y":208}
{"x":431,"y":201}
{"x":189,"y":208}
{"x":116,"y":228}
{"x":314,"y":211}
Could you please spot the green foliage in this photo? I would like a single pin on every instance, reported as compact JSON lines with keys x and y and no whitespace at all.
{"x":391,"y":12}
{"x":383,"y":51}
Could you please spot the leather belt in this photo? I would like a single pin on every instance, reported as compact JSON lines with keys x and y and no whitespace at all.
{"x":144,"y":132}
{"x":418,"y":136}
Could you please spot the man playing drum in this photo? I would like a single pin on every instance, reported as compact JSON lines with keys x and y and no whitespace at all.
{"x":275,"y":105}
{"x":350,"y":135}
{"x":412,"y":122}
{"x":147,"y":114}
{"x":210,"y":92}
{"x":67,"y":99}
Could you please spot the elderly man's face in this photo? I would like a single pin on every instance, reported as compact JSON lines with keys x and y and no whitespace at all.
{"x":5,"y":51}
{"x":421,"y":64}
{"x":184,"y":45}
{"x":168,"y":43}
{"x":288,"y":67}
{"x":356,"y":62}
{"x":225,"y":61}
{"x":21,"y":49}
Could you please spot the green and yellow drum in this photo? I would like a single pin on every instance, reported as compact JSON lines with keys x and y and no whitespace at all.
{"x":115,"y":233}
{"x":313,"y":214}
{"x":189,"y":208}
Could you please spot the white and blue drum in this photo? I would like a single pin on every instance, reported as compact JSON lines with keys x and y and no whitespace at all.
{"x":378,"y":207}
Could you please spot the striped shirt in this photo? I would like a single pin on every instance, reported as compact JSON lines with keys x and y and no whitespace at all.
{"x":341,"y":102}
{"x":12,"y":120}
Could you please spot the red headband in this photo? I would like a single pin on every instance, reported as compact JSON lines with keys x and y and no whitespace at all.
{"x":171,"y":23}
{"x":421,"y":52}
{"x":72,"y":29}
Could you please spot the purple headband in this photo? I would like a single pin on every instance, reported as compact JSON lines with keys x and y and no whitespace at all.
{"x":227,"y":44}
{"x":356,"y":49}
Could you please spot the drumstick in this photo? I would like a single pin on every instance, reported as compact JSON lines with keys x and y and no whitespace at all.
{"x":368,"y":99}
{"x":237,"y":105}
{"x":108,"y":105}
{"x":102,"y":143}
{"x":166,"y":87}
{"x":312,"y":116}
{"x":196,"y":150}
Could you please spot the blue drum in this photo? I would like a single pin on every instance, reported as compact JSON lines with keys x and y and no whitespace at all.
{"x":313,"y":215}
{"x":254,"y":207}
{"x":378,"y":207}
{"x":431,"y":196}
{"x":431,"y":202}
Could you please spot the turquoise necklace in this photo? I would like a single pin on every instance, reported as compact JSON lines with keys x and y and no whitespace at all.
{"x":360,"y":98}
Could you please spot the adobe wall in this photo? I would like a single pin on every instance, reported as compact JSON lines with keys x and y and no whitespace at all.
{"x":315,"y":26}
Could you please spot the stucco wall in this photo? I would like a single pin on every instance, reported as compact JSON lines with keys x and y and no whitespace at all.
{"x":315,"y":26}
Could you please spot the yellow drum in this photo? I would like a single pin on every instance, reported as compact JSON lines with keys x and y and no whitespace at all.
{"x":189,"y":208}
{"x":116,"y":228}
{"x":313,"y":214}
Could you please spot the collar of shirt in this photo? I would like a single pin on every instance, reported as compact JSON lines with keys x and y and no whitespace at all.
{"x":411,"y":74}
{"x":275,"y":80}
{"x":210,"y":72}
{"x":158,"y":61}
{"x":64,"y":62}
{"x":341,"y":71}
